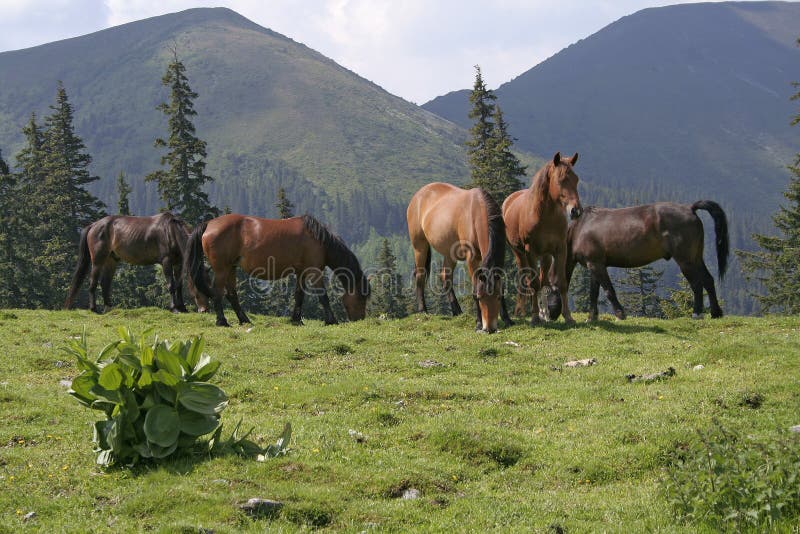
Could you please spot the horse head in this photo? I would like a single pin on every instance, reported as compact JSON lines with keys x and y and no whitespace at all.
{"x":563,"y":184}
{"x":488,"y":292}
{"x":356,"y":293}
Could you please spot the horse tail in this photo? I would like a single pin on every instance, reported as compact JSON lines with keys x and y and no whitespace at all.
{"x":720,"y":228}
{"x":193,"y":260}
{"x":84,"y":262}
{"x":496,"y":255}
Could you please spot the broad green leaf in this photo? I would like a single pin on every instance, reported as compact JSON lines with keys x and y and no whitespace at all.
{"x":201,"y":397}
{"x":146,"y":378}
{"x":125,"y":334}
{"x":162,"y":452}
{"x":111,"y":377}
{"x":130,"y":407}
{"x":165,"y":377}
{"x":81,"y":388}
{"x":108,"y":348}
{"x":106,"y":394}
{"x":101,"y":429}
{"x":147,"y":356}
{"x":169,"y":361}
{"x":205,"y":369}
{"x":143,"y":448}
{"x":197,"y":424}
{"x":194,"y":353}
{"x":168,"y":393}
{"x":162,"y":426}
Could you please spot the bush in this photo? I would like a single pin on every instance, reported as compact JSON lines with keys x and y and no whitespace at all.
{"x":730,"y":482}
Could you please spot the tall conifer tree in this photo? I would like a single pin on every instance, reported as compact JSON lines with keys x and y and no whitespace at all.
{"x":181,"y":184}
{"x":284,"y":205}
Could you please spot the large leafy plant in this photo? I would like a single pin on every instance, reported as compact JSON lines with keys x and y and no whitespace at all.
{"x":155,"y":396}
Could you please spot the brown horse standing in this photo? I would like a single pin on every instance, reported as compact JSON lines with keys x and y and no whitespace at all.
{"x":636,"y":236}
{"x":138,"y":241}
{"x":271,"y":249}
{"x":461,"y":225}
{"x":536,"y":227}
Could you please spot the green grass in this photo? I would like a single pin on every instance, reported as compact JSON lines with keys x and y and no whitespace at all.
{"x":495,"y":438}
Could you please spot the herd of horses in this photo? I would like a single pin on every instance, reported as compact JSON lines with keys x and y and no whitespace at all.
{"x":548,"y":230}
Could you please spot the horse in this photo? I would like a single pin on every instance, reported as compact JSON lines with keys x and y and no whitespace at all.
{"x":636,"y":236}
{"x":271,"y":249}
{"x":137,"y":241}
{"x":462,"y":225}
{"x":536,"y":229}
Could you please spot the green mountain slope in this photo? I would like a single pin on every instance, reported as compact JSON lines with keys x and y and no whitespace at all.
{"x":692,"y":98}
{"x":272,"y":110}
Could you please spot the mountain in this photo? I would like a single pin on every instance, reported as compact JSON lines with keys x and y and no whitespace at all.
{"x":273,"y":112}
{"x":684,"y":102}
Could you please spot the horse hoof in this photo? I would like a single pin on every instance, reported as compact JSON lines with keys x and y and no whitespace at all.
{"x":620,"y":315}
{"x":95,"y":310}
{"x":591,"y":319}
{"x":297,"y":322}
{"x":569,"y":322}
{"x":508,"y":322}
{"x":697,"y":316}
{"x":174,"y":310}
{"x":716,"y":315}
{"x":223,"y":323}
{"x":535,"y":321}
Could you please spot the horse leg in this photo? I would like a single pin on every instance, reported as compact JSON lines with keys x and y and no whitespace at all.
{"x":448,"y":266}
{"x":319,"y":288}
{"x":233,"y":298}
{"x":695,"y":279}
{"x":106,"y":276}
{"x":479,"y":320}
{"x":594,"y":293}
{"x":534,"y":287}
{"x":177,"y":274}
{"x":166,"y":266}
{"x":422,"y":261}
{"x":504,"y":312}
{"x":560,"y":261}
{"x":600,"y":273}
{"x":523,"y":285}
{"x":299,"y":293}
{"x":708,"y":284}
{"x":94,"y":278}
{"x":217,"y":293}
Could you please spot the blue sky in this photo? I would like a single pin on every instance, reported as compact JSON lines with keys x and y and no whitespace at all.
{"x":416,"y":49}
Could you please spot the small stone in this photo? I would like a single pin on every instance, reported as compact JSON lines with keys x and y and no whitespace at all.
{"x":795,"y":428}
{"x":29,"y":516}
{"x":430,"y":363}
{"x":65,"y":383}
{"x":412,"y":493}
{"x":220,"y":481}
{"x":262,"y":507}
{"x":581,"y":363}
{"x":400,"y":404}
{"x":699,"y":367}
{"x":358,"y":436}
{"x":513,"y":344}
{"x":60,"y":364}
{"x":669,"y":373}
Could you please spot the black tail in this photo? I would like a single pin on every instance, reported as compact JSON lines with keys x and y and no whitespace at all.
{"x":84,"y":262}
{"x":721,"y":229}
{"x":193,"y":260}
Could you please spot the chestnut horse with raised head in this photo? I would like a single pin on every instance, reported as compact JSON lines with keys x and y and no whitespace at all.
{"x":461,"y":225}
{"x":271,"y":249}
{"x":137,"y":241}
{"x":536,"y":228}
{"x":636,"y":236}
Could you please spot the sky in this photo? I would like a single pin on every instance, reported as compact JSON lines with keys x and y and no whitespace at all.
{"x":416,"y":49}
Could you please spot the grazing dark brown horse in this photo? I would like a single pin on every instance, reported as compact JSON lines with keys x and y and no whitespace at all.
{"x":271,"y":249}
{"x":138,"y":241}
{"x":536,"y":228}
{"x":636,"y":236}
{"x":461,"y":225}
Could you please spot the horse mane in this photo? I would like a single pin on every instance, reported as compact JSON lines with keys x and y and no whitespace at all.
{"x":496,"y":255}
{"x":540,"y":185}
{"x":338,"y":257}
{"x":177,"y":230}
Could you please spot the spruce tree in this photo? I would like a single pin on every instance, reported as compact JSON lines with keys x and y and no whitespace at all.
{"x":507,"y":167}
{"x":387,"y":292}
{"x":284,"y":205}
{"x":638,"y":295}
{"x":777,"y":265}
{"x":181,"y":185}
{"x":480,"y":144}
{"x":123,"y":192}
{"x":579,"y":288}
{"x":9,"y":294}
{"x":4,"y":170}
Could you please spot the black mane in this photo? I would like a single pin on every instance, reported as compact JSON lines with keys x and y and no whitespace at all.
{"x":338,"y":257}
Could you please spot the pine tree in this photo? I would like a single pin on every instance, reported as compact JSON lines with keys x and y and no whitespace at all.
{"x":777,"y":265}
{"x":181,"y":185}
{"x":579,"y":288}
{"x":4,"y":170}
{"x":480,"y":153}
{"x":638,"y":295}
{"x":387,"y":295}
{"x":493,"y":166}
{"x":123,"y":192}
{"x":9,"y":294}
{"x":507,"y":167}
{"x":284,"y":205}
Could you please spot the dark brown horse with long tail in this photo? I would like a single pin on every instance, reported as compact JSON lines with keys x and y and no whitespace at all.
{"x":461,"y":225}
{"x":271,"y":249}
{"x":536,"y":227}
{"x":636,"y":236}
{"x":138,"y":241}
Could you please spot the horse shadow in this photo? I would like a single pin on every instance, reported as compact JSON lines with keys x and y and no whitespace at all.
{"x":609,"y":326}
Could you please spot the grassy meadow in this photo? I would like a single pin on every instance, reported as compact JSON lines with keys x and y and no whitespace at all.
{"x":491,"y":430}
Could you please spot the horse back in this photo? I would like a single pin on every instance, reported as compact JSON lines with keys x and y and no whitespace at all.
{"x":443,"y":214}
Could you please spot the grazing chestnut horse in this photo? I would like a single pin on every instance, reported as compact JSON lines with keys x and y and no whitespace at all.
{"x":461,"y":225}
{"x":536,"y":228}
{"x":271,"y":249}
{"x":138,"y":241}
{"x":636,"y":236}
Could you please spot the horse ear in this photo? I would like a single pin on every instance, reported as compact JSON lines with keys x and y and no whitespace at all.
{"x":557,"y":159}
{"x":574,"y":159}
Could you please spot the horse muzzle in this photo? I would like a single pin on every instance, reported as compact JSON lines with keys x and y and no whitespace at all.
{"x":575,"y":212}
